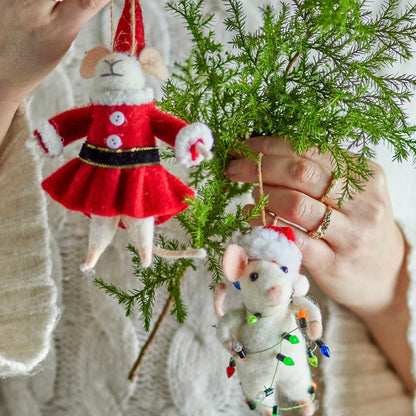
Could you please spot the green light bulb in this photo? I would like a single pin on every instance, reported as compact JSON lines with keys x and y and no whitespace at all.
{"x":313,"y":361}
{"x":293,"y":339}
{"x":288,"y":361}
{"x":285,"y":360}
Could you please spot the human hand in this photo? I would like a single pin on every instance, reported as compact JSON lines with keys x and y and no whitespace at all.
{"x":34,"y":37}
{"x":358,"y":260}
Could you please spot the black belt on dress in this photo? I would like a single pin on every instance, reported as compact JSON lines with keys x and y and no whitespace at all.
{"x":119,"y":158}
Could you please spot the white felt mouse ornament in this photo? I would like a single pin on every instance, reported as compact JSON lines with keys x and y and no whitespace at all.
{"x":117,"y":178}
{"x":264,"y":336}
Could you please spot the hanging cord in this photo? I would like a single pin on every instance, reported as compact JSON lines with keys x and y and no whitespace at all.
{"x":133,"y":28}
{"x":113,"y":26}
{"x":260,"y":174}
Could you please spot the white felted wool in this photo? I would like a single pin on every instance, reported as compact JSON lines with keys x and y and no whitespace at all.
{"x":133,"y":77}
{"x":267,"y":244}
{"x":28,"y":310}
{"x":188,"y":136}
{"x":136,"y":97}
{"x":51,"y":140}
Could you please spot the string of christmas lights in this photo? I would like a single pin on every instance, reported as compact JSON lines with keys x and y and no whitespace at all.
{"x":280,"y":358}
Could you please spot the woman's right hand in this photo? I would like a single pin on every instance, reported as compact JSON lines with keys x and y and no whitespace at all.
{"x":35,"y":35}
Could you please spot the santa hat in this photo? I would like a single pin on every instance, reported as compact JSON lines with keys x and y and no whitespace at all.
{"x":123,"y":41}
{"x":275,"y":244}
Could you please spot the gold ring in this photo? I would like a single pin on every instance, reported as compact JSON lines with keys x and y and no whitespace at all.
{"x":320,"y":231}
{"x":331,"y":187}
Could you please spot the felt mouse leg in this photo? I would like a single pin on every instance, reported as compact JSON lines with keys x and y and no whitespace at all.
{"x":142,"y":231}
{"x":102,"y":230}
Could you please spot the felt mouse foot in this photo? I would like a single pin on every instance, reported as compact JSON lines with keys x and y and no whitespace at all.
{"x":93,"y":256}
{"x":88,"y":273}
{"x":308,"y":409}
{"x":102,"y":230}
{"x":146,"y":256}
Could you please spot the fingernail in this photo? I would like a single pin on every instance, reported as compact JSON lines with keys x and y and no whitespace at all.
{"x":233,"y":168}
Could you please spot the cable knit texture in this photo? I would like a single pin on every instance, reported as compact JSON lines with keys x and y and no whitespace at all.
{"x":27,"y":292}
{"x":83,"y":371}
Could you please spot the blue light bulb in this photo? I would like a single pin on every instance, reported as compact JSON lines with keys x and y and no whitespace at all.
{"x":325,"y":351}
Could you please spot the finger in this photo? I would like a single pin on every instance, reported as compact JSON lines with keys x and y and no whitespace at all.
{"x":73,"y":14}
{"x":269,"y":145}
{"x":311,"y":249}
{"x":299,"y":174}
{"x":308,"y":213}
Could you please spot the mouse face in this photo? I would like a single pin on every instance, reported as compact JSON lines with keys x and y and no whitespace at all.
{"x":265,"y":287}
{"x":118,"y":72}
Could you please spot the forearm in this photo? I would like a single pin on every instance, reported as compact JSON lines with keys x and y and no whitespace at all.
{"x":7,"y":112}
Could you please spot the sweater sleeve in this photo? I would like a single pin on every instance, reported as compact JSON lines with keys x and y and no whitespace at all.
{"x":28,"y":310}
{"x":410,"y":234}
{"x":358,"y":378}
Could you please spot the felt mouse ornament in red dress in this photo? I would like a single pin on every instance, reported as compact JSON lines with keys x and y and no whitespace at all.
{"x":117,"y":178}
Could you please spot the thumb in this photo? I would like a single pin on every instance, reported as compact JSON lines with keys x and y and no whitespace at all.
{"x":73,"y":14}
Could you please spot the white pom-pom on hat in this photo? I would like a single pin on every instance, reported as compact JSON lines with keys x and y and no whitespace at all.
{"x":275,"y":244}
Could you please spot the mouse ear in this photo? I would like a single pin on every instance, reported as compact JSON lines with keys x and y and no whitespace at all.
{"x":301,"y":287}
{"x":234,"y":262}
{"x":91,"y":59}
{"x":152,"y":62}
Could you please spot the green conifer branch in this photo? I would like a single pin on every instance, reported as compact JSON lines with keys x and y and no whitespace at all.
{"x":313,"y":73}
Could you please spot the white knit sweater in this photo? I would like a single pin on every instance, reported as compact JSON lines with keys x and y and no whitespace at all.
{"x":66,"y":347}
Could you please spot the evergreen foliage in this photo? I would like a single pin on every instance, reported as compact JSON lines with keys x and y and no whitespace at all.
{"x":314,"y":73}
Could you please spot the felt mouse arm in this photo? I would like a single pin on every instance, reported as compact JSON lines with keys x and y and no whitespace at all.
{"x":63,"y":129}
{"x":313,"y":315}
{"x":184,"y":137}
{"x":230,"y":320}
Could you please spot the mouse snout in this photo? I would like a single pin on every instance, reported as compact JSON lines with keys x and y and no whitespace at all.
{"x":275,"y":293}
{"x":111,"y":62}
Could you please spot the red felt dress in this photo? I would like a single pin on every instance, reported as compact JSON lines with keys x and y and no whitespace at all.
{"x":138,"y":191}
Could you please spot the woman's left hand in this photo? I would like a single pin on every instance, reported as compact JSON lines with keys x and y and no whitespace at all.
{"x":359,"y":259}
